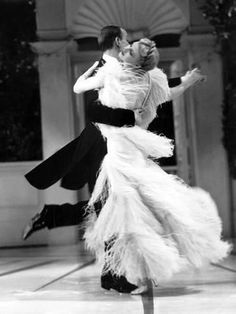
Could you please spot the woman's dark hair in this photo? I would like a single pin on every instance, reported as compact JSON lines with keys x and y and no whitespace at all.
{"x":108,"y":35}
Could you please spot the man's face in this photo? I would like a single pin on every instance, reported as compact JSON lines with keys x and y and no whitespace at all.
{"x":131,"y":54}
{"x":123,"y":42}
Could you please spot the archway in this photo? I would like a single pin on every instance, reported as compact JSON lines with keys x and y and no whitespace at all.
{"x":139,"y":18}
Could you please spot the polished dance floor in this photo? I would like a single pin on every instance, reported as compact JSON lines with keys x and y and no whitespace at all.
{"x":65,"y":280}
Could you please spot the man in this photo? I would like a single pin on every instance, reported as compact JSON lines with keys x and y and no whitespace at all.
{"x":78,"y":162}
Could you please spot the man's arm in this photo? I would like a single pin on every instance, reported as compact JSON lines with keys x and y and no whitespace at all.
{"x":116,"y":117}
{"x":95,"y":111}
{"x":172,"y":82}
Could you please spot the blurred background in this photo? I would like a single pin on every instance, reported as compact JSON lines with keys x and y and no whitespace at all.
{"x":46,"y":44}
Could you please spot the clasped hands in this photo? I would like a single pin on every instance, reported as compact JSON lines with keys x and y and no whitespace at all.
{"x":192,"y":77}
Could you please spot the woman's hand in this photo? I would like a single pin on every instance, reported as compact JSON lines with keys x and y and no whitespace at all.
{"x":90,"y":70}
{"x":87,"y":82}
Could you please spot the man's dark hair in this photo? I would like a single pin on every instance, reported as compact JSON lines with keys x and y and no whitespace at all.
{"x":108,"y":35}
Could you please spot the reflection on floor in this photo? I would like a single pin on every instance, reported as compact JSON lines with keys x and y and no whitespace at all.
{"x":65,"y":280}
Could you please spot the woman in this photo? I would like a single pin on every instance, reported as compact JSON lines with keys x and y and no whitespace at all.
{"x":154,"y":223}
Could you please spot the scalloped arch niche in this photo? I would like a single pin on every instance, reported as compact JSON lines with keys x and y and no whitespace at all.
{"x":138,"y":17}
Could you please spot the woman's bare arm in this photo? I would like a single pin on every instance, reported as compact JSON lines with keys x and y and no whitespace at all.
{"x":85,"y":83}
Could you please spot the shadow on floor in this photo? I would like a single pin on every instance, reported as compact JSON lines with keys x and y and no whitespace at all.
{"x":174,"y":291}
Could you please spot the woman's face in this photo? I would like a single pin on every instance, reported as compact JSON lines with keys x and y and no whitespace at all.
{"x":130,"y":54}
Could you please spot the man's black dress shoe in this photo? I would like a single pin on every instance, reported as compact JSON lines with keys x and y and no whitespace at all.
{"x":120,"y":284}
{"x":36,"y":223}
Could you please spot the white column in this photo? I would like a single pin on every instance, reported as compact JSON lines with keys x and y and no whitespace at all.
{"x":57,"y":120}
{"x":211,"y":165}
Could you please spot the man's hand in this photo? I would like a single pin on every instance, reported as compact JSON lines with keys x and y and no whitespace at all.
{"x":188,"y":80}
{"x":192,"y":77}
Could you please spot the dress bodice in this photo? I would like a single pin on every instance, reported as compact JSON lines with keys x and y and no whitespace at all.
{"x":132,"y":89}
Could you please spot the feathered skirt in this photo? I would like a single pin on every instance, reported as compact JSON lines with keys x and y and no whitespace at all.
{"x":154,"y":223}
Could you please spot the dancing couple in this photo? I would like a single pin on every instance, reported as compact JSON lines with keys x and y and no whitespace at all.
{"x":151,"y":224}
{"x":156,"y":225}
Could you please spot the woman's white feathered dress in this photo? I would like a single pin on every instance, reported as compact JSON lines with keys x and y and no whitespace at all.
{"x":154,"y":223}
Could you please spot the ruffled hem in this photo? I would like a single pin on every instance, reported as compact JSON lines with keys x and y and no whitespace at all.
{"x":156,"y":225}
